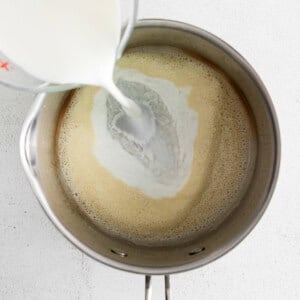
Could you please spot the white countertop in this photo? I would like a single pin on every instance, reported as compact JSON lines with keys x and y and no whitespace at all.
{"x":36,"y":262}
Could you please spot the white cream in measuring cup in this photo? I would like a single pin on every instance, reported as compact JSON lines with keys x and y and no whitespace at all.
{"x":65,"y":41}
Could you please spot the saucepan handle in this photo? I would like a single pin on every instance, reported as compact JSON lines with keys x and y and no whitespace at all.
{"x":148,"y":287}
{"x":129,"y":28}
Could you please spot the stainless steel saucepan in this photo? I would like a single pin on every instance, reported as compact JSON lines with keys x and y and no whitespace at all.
{"x":38,"y":158}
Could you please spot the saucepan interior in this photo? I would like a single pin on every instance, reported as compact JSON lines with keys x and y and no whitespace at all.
{"x":37,"y":152}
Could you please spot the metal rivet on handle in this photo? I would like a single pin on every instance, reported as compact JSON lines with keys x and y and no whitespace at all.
{"x":196,"y":251}
{"x":120,"y":253}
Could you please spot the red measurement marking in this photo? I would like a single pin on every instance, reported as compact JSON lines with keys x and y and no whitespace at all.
{"x":4,"y":65}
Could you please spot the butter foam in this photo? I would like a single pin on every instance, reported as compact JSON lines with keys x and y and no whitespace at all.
{"x":221,"y":167}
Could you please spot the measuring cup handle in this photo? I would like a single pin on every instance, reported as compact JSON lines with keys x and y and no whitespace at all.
{"x":129,"y":28}
{"x":148,"y":287}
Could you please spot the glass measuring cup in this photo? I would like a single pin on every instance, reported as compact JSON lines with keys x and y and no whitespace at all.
{"x":14,"y":77}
